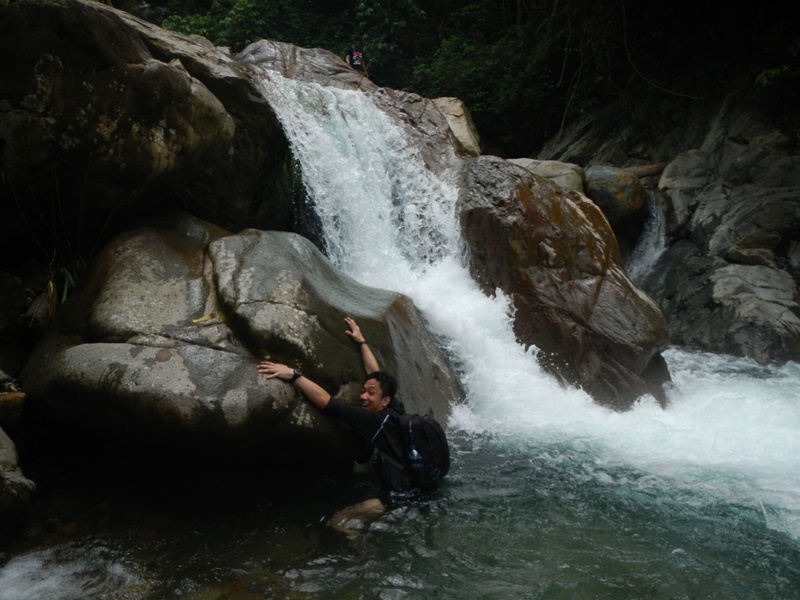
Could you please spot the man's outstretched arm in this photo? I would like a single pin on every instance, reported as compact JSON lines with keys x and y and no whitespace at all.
{"x":367,"y":357}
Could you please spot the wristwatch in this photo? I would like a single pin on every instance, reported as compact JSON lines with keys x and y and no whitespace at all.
{"x":296,"y":375}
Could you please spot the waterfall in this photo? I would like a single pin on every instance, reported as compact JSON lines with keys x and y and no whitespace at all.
{"x":380,"y":208}
{"x":389,"y":222}
{"x":731,"y":428}
{"x":652,"y":242}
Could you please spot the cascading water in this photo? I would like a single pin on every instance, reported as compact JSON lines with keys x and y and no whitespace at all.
{"x":727,"y":425}
{"x":389,"y":222}
{"x":550,"y":495}
{"x":652,"y":243}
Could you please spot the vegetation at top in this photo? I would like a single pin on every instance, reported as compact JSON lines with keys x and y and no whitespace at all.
{"x":525,"y":68}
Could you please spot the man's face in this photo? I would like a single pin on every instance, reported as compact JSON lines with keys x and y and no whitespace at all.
{"x":372,"y":398}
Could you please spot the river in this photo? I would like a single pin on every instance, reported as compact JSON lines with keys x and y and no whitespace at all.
{"x":550,"y":496}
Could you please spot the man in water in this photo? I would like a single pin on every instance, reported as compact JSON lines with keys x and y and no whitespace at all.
{"x":355,"y":57}
{"x":371,"y":420}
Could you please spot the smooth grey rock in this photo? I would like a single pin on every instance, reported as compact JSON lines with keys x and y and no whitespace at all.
{"x":567,"y":175}
{"x":164,"y":336}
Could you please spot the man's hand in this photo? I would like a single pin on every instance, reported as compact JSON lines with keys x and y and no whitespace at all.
{"x":314,"y":392}
{"x":275,"y":370}
{"x":367,"y":357}
{"x":354,"y":332}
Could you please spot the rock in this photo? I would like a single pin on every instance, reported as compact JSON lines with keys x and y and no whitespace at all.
{"x":746,"y":225}
{"x":644,"y":171}
{"x":460,"y":120}
{"x":11,"y":405}
{"x":552,"y":252}
{"x":618,"y":193}
{"x":742,"y":310}
{"x":418,"y":117}
{"x":608,"y":136}
{"x":567,"y":175}
{"x":623,"y":200}
{"x":163,"y":339}
{"x":282,"y":297}
{"x":314,"y":65}
{"x":733,"y":215}
{"x":14,"y":301}
{"x":731,"y":190}
{"x":107,"y":116}
{"x":758,"y":297}
{"x":16,"y":490}
{"x":682,"y":180}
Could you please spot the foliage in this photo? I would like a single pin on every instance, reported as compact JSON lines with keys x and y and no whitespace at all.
{"x":525,"y":67}
{"x":390,"y":29}
{"x":768,"y":77}
{"x":778,"y":88}
{"x":504,"y":90}
{"x":237,"y":23}
{"x":241,"y":22}
{"x":59,"y":287}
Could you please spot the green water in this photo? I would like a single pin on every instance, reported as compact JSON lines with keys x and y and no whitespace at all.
{"x":543,"y":522}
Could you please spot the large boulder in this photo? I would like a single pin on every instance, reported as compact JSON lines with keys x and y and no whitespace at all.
{"x":567,"y":175}
{"x":622,"y":198}
{"x":460,"y":120}
{"x":104,"y":116}
{"x":164,"y":336}
{"x":743,"y":310}
{"x":553,"y":253}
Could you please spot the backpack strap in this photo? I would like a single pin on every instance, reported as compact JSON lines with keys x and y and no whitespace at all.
{"x":385,"y":456}
{"x":386,"y":418}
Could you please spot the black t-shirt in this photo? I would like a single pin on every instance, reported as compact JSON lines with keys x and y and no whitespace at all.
{"x":356,"y":58}
{"x":380,"y":429}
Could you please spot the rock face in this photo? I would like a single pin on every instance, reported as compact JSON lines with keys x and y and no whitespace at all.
{"x":554,"y":254}
{"x":727,"y":279}
{"x":313,"y":65}
{"x":164,"y":337}
{"x":104,"y":116}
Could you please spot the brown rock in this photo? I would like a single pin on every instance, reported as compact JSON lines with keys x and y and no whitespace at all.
{"x":553,"y":253}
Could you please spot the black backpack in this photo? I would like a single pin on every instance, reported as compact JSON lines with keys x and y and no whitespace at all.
{"x":428,"y":438}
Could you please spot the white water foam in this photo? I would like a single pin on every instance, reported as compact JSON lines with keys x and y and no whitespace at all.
{"x":731,"y":430}
{"x":62,"y":573}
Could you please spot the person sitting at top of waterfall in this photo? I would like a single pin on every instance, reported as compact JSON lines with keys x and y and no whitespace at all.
{"x":377,"y":403}
{"x":355,"y":57}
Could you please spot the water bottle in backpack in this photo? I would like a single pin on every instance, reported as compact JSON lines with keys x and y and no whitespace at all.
{"x":414,"y":459}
